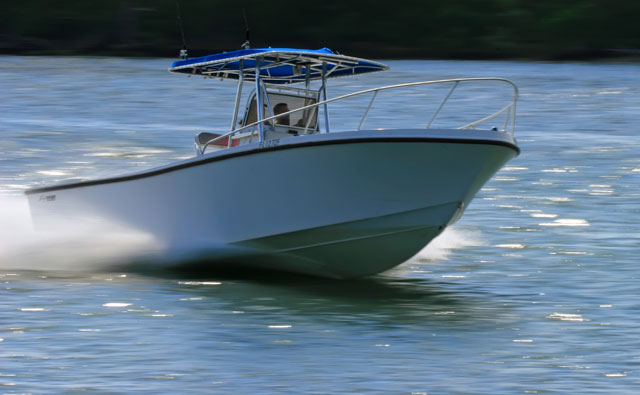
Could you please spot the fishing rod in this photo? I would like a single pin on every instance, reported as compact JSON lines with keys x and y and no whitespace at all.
{"x":246,"y":25}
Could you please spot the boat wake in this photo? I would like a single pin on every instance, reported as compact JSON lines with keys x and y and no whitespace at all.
{"x":72,"y":246}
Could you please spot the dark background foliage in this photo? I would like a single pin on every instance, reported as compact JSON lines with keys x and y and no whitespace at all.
{"x":541,"y":29}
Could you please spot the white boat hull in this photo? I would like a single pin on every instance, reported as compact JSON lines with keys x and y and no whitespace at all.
{"x":337,"y":205}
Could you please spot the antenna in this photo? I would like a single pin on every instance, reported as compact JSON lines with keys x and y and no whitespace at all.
{"x":246,"y":24}
{"x":183,"y":51}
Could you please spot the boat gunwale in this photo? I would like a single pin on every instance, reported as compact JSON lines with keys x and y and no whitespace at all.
{"x":375,"y":136}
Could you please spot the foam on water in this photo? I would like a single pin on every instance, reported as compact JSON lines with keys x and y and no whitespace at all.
{"x":448,"y":241}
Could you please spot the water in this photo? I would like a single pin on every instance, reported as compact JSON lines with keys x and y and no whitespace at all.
{"x":534,"y":290}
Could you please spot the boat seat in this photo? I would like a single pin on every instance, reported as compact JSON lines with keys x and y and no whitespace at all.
{"x":203,"y":137}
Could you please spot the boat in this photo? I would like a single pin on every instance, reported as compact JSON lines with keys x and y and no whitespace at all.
{"x":288,"y":186}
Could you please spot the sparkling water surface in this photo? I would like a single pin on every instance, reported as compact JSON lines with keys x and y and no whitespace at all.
{"x":534,"y":290}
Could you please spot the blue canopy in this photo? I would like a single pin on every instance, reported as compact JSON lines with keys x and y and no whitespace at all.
{"x":277,"y":65}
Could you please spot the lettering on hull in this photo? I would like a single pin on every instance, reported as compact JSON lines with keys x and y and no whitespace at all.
{"x":47,"y":198}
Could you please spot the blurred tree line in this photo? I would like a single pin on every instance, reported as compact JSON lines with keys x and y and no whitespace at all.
{"x":541,"y":29}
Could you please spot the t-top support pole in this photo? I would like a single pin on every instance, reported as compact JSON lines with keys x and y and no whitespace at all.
{"x":259,"y":101}
{"x":324,"y":94}
{"x":234,"y":122}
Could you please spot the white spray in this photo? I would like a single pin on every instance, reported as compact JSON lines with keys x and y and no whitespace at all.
{"x":451,"y":239}
{"x":71,"y":246}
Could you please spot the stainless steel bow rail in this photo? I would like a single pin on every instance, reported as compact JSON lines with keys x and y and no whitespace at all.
{"x":508,"y":111}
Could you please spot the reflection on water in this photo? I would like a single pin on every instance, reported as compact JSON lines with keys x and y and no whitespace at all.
{"x":389,"y":300}
{"x":534,"y":289}
{"x":287,"y":323}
